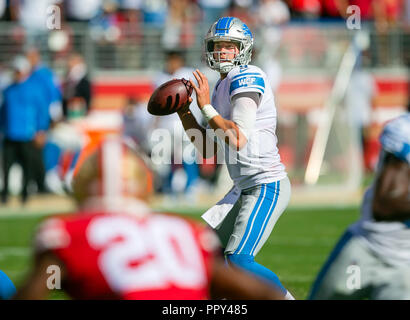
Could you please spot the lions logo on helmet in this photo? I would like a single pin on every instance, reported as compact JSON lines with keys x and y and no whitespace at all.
{"x":233,"y":30}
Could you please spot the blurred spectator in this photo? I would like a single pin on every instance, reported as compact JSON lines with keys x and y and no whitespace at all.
{"x":130,"y":5}
{"x":384,"y":13}
{"x":47,"y":86}
{"x":272,"y":15}
{"x":131,"y":34}
{"x":131,"y":13}
{"x":4,"y":80}
{"x":2,"y":8}
{"x":175,"y":68}
{"x":242,"y":9}
{"x":76,"y":88}
{"x":104,"y":27}
{"x":406,"y":13}
{"x":305,"y":9}
{"x":105,"y":30}
{"x":212,"y":10}
{"x":47,"y":82}
{"x":138,"y":123}
{"x":366,"y":7}
{"x":359,"y":101}
{"x":33,"y":17}
{"x":331,"y":10}
{"x":391,"y":14}
{"x":179,"y":31}
{"x":155,"y":12}
{"x":79,"y":11}
{"x":154,"y":16}
{"x":23,"y":123}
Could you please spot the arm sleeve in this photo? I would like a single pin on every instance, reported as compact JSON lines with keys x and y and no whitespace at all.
{"x":43,"y":117}
{"x":2,"y":116}
{"x":245,"y":106}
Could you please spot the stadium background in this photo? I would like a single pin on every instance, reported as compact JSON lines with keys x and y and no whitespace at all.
{"x":300,"y":44}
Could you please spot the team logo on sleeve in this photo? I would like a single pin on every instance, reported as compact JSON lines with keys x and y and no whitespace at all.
{"x":248,"y":80}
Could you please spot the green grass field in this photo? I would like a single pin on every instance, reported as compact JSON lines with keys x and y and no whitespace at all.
{"x":295,"y":251}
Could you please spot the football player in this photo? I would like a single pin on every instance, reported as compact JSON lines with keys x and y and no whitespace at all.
{"x":372,"y":259}
{"x":242,"y":116}
{"x":115,"y":247}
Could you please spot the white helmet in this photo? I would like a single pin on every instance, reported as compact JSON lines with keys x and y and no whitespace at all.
{"x":233,"y":30}
{"x":395,"y":137}
{"x":112,"y":169}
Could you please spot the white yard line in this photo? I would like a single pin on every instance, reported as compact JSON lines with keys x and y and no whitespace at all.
{"x":14,"y":251}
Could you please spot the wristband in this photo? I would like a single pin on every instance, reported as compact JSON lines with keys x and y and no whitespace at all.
{"x":209,"y":112}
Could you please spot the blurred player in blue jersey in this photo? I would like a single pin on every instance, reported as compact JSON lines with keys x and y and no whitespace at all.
{"x":242,"y":121}
{"x":372,"y":259}
{"x":7,"y":288}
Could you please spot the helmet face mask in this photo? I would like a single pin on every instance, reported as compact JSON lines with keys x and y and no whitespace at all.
{"x":228,"y":29}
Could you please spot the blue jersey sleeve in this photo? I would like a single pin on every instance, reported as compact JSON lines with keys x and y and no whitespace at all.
{"x":7,"y":288}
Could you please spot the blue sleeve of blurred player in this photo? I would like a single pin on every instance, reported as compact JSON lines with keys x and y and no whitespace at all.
{"x":43,"y":116}
{"x":7,"y":288}
{"x":51,"y":88}
{"x":2,"y":116}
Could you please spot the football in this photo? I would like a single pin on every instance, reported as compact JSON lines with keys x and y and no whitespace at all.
{"x":169,"y":97}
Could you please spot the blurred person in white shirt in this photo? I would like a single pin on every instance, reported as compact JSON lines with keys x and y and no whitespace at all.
{"x":33,"y":16}
{"x":175,"y":69}
{"x":79,"y":10}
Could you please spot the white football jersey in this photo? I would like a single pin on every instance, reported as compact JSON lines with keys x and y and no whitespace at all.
{"x":259,"y":161}
{"x":389,"y":240}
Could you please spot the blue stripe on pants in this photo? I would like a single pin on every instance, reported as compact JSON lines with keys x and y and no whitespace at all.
{"x":254,"y":212}
{"x":256,"y":223}
{"x":268,"y":216}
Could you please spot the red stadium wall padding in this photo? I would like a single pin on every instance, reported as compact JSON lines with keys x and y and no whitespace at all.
{"x":300,"y":95}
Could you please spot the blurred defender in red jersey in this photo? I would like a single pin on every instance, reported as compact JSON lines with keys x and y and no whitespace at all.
{"x":115,"y":247}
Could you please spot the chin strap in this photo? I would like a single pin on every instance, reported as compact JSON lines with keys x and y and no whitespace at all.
{"x":225,"y":67}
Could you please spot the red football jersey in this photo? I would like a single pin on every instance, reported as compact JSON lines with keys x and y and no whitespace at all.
{"x":114,"y":256}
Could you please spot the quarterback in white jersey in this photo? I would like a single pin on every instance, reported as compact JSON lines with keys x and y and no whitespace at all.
{"x":377,"y":247}
{"x":242,"y":116}
{"x":258,"y":161}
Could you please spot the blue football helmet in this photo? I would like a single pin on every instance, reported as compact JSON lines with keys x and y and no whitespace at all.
{"x":395,"y":137}
{"x":233,"y":30}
